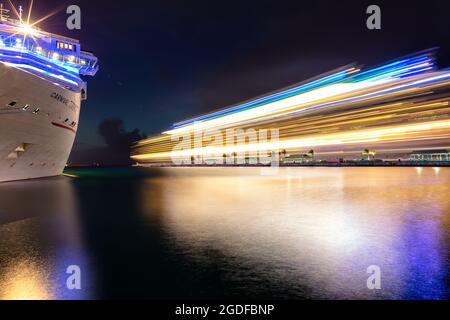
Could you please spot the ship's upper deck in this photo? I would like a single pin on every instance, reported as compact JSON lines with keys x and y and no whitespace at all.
{"x":53,"y":56}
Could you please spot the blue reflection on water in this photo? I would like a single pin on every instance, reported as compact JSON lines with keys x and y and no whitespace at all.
{"x":211,"y":233}
{"x":422,"y":253}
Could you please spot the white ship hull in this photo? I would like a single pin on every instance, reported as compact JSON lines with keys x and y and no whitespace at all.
{"x":35,"y":144}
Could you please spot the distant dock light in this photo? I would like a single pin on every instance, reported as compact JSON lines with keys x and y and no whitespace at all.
{"x":431,"y":155}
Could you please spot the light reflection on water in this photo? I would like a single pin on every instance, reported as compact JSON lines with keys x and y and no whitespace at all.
{"x":228,"y":232}
{"x":313,"y":231}
{"x":40,"y":238}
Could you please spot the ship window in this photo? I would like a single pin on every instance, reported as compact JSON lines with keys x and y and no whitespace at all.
{"x":12,"y":103}
{"x":65,"y":46}
{"x":66,"y":120}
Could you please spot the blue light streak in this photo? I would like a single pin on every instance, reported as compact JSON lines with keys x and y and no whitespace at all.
{"x":414,"y":65}
{"x":272,"y":98}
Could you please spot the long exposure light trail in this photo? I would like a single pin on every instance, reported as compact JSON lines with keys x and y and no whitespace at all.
{"x":308,"y":97}
{"x":279,"y":106}
{"x":363,"y":136}
{"x":402,"y":105}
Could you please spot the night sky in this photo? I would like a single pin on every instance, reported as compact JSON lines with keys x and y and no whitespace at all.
{"x":164,"y":61}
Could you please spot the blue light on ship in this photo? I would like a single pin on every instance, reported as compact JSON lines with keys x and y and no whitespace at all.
{"x":53,"y":57}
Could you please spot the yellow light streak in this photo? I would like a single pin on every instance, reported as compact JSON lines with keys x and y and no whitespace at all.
{"x":278,"y":106}
{"x":344,"y":138}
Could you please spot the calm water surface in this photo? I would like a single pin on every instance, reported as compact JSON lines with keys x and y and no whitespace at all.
{"x":304,"y":233}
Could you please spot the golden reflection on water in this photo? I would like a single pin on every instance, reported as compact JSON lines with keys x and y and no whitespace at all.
{"x":304,"y":232}
{"x":321,"y":227}
{"x":24,"y":275}
{"x":25,"y":281}
{"x":40,"y":237}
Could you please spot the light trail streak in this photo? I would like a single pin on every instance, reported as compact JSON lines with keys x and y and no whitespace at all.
{"x":402,"y":105}
{"x":279,"y":106}
{"x":358,"y":137}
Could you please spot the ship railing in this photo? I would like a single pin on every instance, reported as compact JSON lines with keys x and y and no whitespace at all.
{"x":87,"y":53}
{"x":74,"y":61}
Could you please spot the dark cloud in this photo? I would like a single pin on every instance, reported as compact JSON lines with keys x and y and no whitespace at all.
{"x":117,"y":149}
{"x":116,"y":137}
